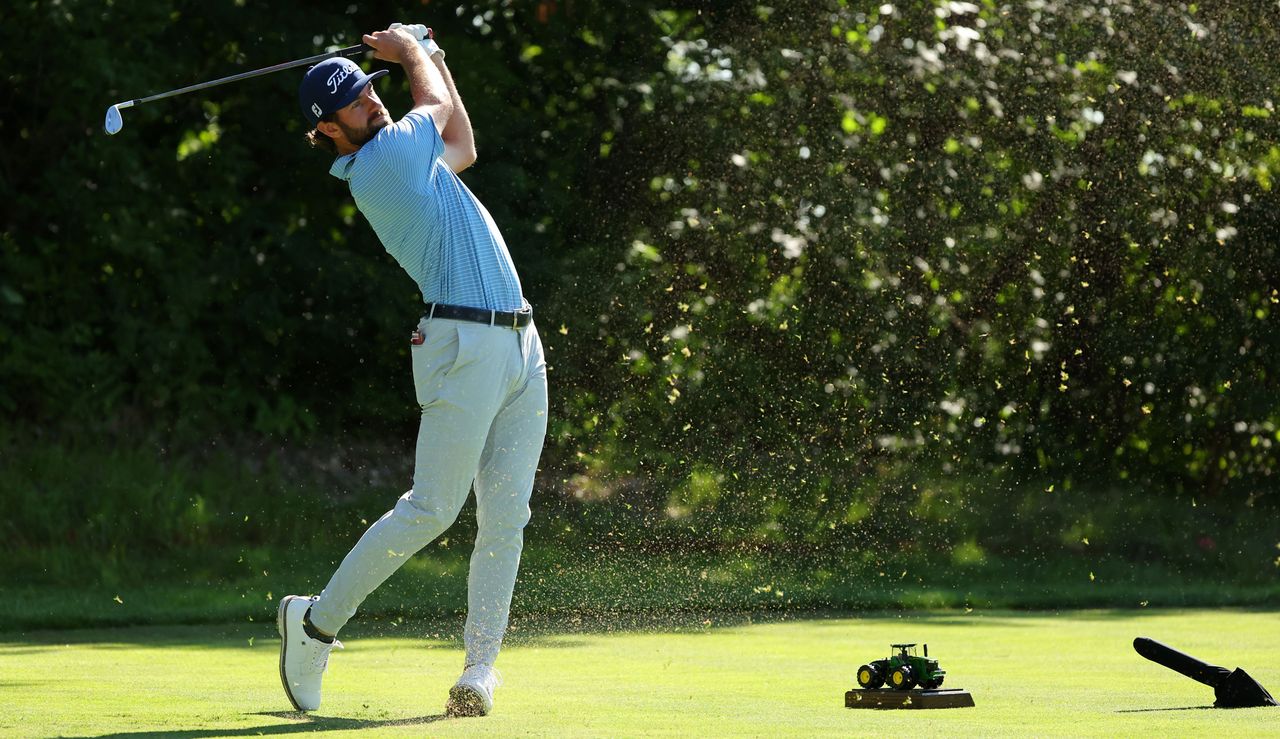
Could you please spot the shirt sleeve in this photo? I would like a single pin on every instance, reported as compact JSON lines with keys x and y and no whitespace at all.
{"x":411,"y":145}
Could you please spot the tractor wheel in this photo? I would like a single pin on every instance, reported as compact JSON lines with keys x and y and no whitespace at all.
{"x":902,"y":678}
{"x":869,"y":677}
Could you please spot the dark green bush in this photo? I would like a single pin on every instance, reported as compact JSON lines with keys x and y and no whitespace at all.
{"x":810,"y":272}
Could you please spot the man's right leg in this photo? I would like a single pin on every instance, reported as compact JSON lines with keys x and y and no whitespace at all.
{"x":459,"y":398}
{"x":308,"y":625}
{"x":414,"y":522}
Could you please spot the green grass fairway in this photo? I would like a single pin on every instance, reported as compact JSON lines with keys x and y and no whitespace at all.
{"x":1037,"y":674}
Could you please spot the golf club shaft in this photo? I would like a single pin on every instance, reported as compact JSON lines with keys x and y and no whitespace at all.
{"x":348,"y":51}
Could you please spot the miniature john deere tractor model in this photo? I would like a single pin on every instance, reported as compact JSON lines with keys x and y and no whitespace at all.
{"x":903,"y":670}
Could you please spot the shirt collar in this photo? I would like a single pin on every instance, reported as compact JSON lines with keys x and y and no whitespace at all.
{"x":342,"y":166}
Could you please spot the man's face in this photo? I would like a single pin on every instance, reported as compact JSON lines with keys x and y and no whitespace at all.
{"x":362,"y":119}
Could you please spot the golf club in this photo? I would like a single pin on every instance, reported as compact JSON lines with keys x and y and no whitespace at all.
{"x":115,"y":122}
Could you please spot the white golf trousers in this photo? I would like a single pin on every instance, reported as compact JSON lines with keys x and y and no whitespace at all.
{"x":483,"y":393}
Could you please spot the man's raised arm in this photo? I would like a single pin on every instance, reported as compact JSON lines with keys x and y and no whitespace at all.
{"x":433,"y":90}
{"x":459,"y":140}
{"x":426,"y":86}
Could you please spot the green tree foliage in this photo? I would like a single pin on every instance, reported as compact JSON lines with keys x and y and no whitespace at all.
{"x":949,"y":263}
{"x":815,"y":270}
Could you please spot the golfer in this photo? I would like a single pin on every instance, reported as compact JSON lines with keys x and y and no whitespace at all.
{"x":478,"y":368}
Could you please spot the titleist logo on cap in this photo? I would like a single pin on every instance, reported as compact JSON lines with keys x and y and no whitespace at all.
{"x":337,"y":77}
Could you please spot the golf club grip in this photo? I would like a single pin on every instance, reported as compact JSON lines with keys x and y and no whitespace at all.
{"x":1181,"y":662}
{"x":356,"y":50}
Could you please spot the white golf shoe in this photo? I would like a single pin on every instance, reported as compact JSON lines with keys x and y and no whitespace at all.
{"x":302,"y":659}
{"x":472,"y":695}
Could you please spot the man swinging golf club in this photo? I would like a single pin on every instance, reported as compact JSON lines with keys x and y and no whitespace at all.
{"x":478,"y":367}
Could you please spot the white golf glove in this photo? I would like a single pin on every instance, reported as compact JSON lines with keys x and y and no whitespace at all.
{"x":424,"y":36}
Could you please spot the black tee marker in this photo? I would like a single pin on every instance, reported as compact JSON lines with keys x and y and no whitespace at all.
{"x":1231,"y":688}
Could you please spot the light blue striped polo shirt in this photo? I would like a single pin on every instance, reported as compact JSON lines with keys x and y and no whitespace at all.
{"x":427,"y":218}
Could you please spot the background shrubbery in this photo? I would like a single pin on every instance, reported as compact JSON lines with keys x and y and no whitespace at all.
{"x":813,"y":272}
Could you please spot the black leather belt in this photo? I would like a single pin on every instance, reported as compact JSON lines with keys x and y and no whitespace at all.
{"x":504,"y":319}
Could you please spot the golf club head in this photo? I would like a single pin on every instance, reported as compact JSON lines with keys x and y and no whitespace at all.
{"x":114,"y":122}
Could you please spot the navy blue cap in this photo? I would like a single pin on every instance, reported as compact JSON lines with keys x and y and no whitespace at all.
{"x":332,"y":84}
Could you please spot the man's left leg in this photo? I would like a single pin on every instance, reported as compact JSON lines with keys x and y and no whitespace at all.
{"x":502,"y":489}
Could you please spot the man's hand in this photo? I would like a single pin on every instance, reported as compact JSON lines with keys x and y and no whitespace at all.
{"x":425,"y":38}
{"x":392,"y":45}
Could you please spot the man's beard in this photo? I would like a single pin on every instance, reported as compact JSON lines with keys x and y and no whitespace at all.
{"x":361,"y":136}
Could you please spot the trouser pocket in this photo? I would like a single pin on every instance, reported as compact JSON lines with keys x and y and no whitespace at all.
{"x":434,"y":350}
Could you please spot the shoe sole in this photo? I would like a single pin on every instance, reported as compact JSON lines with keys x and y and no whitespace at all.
{"x":464,"y":702}
{"x":284,"y":644}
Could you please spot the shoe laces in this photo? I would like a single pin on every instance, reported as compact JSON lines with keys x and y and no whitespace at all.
{"x":320,"y":660}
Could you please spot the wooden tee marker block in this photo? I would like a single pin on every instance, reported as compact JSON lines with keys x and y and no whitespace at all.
{"x":885,"y":698}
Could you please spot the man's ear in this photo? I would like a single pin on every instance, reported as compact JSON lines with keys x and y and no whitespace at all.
{"x":330,"y":129}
